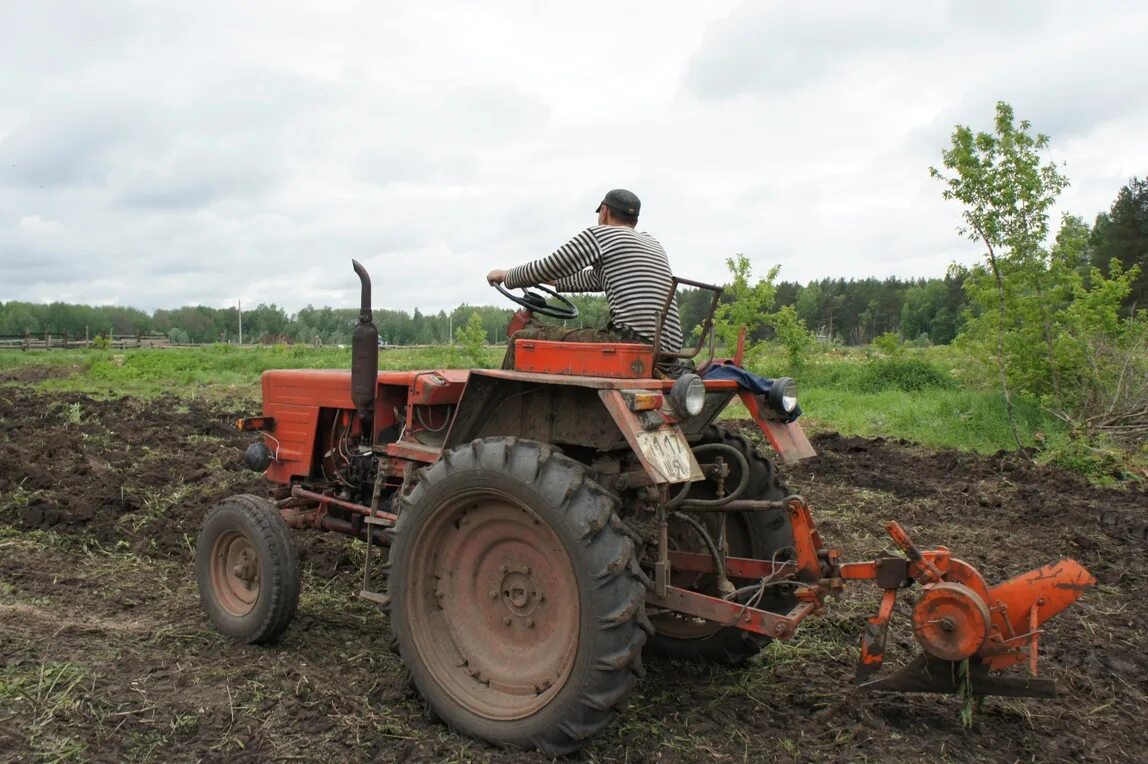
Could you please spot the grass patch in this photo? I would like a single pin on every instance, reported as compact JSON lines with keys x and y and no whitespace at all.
{"x":214,"y":369}
{"x":937,"y":397}
{"x":963,"y":419}
{"x":50,"y":698}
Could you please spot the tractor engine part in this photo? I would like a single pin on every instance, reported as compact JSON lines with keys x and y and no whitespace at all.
{"x":364,"y":351}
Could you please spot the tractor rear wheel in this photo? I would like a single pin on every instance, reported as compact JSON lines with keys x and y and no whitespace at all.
{"x":758,"y":535}
{"x":514,"y":600}
{"x":247,"y":569}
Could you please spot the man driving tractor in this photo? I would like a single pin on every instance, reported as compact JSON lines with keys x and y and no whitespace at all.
{"x":631,"y":267}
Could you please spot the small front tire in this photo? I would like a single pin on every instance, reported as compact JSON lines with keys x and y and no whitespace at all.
{"x":247,"y":569}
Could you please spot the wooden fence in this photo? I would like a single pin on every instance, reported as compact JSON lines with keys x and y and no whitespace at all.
{"x":49,"y":341}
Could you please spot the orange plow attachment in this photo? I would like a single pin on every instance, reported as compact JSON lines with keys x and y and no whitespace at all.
{"x":959,"y":618}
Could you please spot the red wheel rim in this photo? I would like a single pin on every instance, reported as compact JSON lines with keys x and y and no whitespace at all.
{"x":492,"y":600}
{"x":235,"y":573}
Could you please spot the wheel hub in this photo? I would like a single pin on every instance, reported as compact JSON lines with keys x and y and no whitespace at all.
{"x":246,"y":571}
{"x":951,"y":621}
{"x":496,"y":601}
{"x":235,"y":573}
{"x":519,"y":593}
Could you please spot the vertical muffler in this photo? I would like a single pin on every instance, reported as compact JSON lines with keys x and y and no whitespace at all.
{"x":364,"y":353}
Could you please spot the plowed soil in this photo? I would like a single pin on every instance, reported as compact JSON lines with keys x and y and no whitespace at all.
{"x":105,"y":654}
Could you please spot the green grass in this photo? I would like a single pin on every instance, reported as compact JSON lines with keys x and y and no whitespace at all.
{"x":938,"y":397}
{"x":49,"y":697}
{"x":224,"y":369}
{"x":970,"y":420}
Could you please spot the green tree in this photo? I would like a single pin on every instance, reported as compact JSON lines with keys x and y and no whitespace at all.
{"x":808,"y":306}
{"x":745,"y":304}
{"x":472,"y":338}
{"x":793,"y":335}
{"x":1122,"y":234}
{"x":1007,"y":194}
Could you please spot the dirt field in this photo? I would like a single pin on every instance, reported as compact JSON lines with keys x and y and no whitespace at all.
{"x":105,"y":654}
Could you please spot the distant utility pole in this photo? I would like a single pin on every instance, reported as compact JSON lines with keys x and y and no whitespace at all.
{"x":450,"y":329}
{"x":240,"y":303}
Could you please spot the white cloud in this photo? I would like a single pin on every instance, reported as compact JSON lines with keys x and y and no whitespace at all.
{"x":159,"y":154}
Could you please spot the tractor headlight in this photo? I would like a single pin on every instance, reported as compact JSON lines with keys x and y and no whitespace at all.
{"x":258,"y":457}
{"x":688,"y":396}
{"x":783,"y":395}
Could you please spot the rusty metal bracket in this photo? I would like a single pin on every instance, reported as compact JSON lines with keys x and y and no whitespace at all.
{"x":873,"y":638}
{"x":324,"y":500}
{"x":778,"y":626}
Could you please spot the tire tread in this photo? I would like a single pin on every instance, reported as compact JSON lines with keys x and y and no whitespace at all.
{"x":587,"y":512}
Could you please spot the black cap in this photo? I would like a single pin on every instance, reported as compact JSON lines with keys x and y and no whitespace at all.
{"x":622,"y":201}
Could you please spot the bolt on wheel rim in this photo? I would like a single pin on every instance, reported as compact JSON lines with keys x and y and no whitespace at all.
{"x":235,"y":573}
{"x":493,"y":605}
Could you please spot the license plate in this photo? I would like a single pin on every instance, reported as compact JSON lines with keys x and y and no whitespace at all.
{"x":669,"y":454}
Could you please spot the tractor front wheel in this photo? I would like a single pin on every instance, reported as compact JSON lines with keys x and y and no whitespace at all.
{"x":514,"y":600}
{"x":247,"y":569}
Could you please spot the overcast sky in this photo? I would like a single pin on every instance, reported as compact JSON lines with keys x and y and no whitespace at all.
{"x":159,"y":154}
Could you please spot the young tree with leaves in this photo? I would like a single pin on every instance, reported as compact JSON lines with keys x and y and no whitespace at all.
{"x":750,"y":305}
{"x":472,"y":338}
{"x":1007,"y":194}
{"x":743,"y":303}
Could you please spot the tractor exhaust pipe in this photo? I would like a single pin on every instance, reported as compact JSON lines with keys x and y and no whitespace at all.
{"x":364,"y":353}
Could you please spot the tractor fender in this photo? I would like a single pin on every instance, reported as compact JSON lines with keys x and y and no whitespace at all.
{"x":580,"y":411}
{"x":660,"y":445}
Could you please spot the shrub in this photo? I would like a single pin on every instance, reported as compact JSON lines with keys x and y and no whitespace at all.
{"x":907,"y":374}
{"x":888,"y":343}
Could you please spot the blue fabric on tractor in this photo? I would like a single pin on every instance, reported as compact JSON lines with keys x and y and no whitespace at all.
{"x":746,"y":379}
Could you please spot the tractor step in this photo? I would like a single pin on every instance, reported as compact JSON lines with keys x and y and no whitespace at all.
{"x":376,"y":597}
{"x":380,"y":599}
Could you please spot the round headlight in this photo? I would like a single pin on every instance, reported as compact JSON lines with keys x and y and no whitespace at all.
{"x":783,"y":395}
{"x":688,"y":396}
{"x":257,"y":457}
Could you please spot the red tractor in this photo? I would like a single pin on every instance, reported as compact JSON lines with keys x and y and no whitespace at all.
{"x":538,"y":528}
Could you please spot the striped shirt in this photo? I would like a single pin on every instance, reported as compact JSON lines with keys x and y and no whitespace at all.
{"x":630,"y":267}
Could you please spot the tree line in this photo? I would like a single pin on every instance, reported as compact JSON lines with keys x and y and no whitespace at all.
{"x":852,"y":312}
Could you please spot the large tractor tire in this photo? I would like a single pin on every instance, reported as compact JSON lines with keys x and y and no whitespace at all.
{"x":514,"y":599}
{"x":759,"y":535}
{"x":247,"y":569}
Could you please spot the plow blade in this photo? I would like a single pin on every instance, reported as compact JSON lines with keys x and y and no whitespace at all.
{"x":927,"y":674}
{"x":965,"y":628}
{"x":957,"y":625}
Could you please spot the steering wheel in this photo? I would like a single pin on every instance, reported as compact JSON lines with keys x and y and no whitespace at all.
{"x":538,"y":303}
